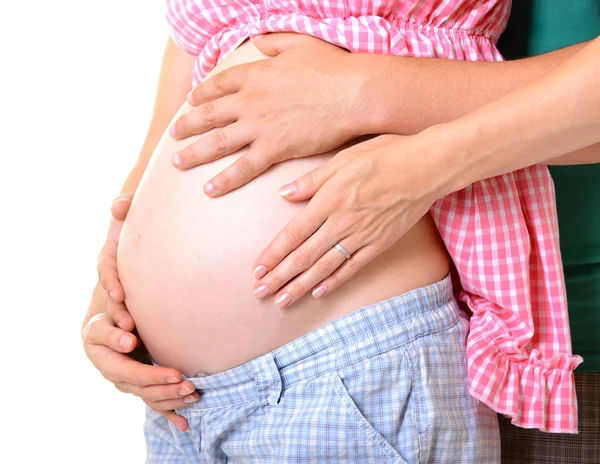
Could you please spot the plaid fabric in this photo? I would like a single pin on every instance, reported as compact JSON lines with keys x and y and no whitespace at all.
{"x":534,"y":447}
{"x":502,"y":233}
{"x":386,"y":383}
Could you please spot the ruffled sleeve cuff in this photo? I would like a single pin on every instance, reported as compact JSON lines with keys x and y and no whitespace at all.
{"x":533,"y":391}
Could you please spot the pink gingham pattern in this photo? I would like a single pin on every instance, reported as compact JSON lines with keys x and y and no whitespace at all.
{"x":502,"y":233}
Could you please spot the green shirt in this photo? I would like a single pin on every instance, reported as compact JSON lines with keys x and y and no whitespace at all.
{"x":536,"y":27}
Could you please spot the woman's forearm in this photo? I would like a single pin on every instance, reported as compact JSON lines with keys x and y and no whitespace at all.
{"x":174,"y":83}
{"x":556,"y":114}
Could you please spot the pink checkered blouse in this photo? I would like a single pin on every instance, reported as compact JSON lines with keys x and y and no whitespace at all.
{"x":502,"y":233}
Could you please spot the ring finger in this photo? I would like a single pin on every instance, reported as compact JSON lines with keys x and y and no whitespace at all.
{"x":319,"y":271}
{"x":298,"y":261}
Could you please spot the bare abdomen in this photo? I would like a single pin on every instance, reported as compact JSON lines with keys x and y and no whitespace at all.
{"x":185,"y":261}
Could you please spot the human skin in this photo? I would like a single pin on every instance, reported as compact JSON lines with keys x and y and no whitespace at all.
{"x":409,"y":82}
{"x":183,"y":260}
{"x":555,"y":116}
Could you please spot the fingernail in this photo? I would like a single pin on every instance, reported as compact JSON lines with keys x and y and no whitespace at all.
{"x":113,"y":295}
{"x":287,"y":190}
{"x":121,"y":197}
{"x":258,"y":36}
{"x":172,"y":380}
{"x":319,"y":291}
{"x":177,"y":160}
{"x":260,"y":271}
{"x":189,"y":97}
{"x":209,"y":188}
{"x":172,"y":130}
{"x":283,"y":300}
{"x":183,"y":391}
{"x":125,"y":342}
{"x":261,"y":291}
{"x":190,"y":399}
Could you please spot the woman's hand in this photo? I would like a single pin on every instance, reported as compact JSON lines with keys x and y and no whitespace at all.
{"x":365,"y":198}
{"x":107,"y":259}
{"x":255,"y":104}
{"x":107,"y":347}
{"x":109,"y":341}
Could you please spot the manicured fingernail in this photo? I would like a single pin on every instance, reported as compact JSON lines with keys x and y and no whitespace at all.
{"x":259,"y":271}
{"x":209,"y":188}
{"x":183,"y":391}
{"x":283,"y":300}
{"x":125,"y":342}
{"x":121,"y":197}
{"x":177,"y":160}
{"x":261,"y":291}
{"x":190,"y":399}
{"x":173,"y":380}
{"x":172,"y":130}
{"x":189,"y":97}
{"x":319,"y":291}
{"x":287,"y":190}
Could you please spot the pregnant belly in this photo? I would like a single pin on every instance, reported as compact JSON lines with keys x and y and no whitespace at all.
{"x":185,"y":261}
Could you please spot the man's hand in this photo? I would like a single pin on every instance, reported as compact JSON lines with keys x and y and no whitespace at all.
{"x":302,"y":102}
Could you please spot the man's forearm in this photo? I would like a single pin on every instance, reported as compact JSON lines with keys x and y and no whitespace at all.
{"x":553,"y":115}
{"x":403,"y":95}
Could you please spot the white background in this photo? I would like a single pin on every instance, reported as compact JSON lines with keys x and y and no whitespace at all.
{"x":77,"y":83}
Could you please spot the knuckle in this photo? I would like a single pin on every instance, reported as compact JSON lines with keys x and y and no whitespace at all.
{"x":346,"y":223}
{"x":220,"y":140}
{"x":210,"y":113}
{"x":311,"y":180}
{"x":323,"y":268}
{"x":256,"y":71}
{"x":302,"y":260}
{"x":354,"y":266}
{"x":246,"y":166}
{"x":219,"y":81}
{"x":294,"y":236}
{"x":297,"y":290}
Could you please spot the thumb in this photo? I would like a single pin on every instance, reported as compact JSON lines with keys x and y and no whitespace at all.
{"x":274,"y":44}
{"x":120,"y":206}
{"x":308,"y":185}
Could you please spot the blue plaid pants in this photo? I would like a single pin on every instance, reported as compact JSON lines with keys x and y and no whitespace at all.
{"x":384,"y":384}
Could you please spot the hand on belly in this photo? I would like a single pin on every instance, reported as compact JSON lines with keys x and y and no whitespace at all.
{"x":185,"y":261}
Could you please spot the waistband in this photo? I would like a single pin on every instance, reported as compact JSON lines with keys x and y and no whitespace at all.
{"x":361,"y":334}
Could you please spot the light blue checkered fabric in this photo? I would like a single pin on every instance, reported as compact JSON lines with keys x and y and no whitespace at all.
{"x":384,"y":384}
